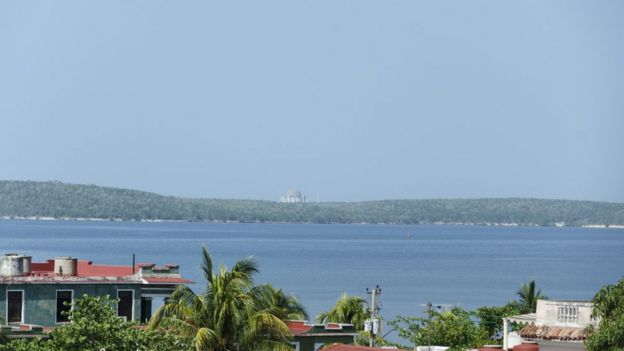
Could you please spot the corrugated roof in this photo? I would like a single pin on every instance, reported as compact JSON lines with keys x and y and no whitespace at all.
{"x":298,"y":327}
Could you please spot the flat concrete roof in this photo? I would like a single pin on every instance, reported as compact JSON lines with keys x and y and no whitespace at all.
{"x":560,"y":346}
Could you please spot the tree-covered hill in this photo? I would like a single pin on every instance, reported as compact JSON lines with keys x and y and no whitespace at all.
{"x":56,"y":199}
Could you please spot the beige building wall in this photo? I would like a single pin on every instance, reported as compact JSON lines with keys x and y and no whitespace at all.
{"x":576,"y":314}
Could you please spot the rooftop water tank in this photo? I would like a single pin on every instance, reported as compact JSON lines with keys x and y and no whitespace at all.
{"x":27,"y":264}
{"x":11,"y":265}
{"x":66,"y":266}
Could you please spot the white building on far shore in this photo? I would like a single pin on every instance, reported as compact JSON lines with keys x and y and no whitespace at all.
{"x":293,"y":196}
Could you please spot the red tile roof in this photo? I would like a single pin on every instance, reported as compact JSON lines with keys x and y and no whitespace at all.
{"x":553,"y":333}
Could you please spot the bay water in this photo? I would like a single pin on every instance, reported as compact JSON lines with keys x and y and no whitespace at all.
{"x":467,"y":266}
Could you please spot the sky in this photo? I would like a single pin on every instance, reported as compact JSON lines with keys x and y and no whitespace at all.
{"x":343,"y":100}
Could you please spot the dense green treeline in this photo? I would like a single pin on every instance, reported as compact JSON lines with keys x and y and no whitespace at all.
{"x":56,"y":199}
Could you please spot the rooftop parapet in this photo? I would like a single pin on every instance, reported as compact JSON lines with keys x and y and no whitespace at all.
{"x":151,"y":270}
{"x":19,"y":268}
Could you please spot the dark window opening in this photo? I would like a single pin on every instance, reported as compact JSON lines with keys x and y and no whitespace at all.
{"x":146,"y":309}
{"x":14,"y":306}
{"x":63,"y":306}
{"x":124,"y":306}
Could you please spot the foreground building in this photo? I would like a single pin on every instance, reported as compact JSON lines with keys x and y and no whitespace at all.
{"x":311,"y":337}
{"x":35,"y":293}
{"x":556,"y":325}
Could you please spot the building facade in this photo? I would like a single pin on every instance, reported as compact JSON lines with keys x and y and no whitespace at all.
{"x":559,"y":324}
{"x":293,"y":196}
{"x":41,"y":293}
{"x":312,"y":337}
{"x":574,"y":314}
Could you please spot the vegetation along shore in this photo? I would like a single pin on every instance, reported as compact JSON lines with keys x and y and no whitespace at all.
{"x":56,"y":200}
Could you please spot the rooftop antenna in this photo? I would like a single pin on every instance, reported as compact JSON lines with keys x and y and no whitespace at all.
{"x":133,"y":263}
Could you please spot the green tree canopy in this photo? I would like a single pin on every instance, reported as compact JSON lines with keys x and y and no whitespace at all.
{"x":286,"y":307}
{"x":228,"y":316}
{"x":609,"y":307}
{"x":491,"y":317}
{"x":529,"y":294}
{"x":348,"y":309}
{"x":95,"y":326}
{"x":453,"y":328}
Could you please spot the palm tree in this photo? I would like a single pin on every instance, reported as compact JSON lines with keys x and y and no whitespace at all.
{"x":348,"y":309}
{"x":226,"y":317}
{"x":529,"y":296}
{"x":287,"y":307}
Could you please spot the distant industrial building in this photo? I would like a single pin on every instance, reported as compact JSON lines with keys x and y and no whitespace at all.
{"x":293,"y":196}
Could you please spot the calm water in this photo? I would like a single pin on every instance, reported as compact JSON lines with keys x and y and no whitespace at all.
{"x":467,"y":266}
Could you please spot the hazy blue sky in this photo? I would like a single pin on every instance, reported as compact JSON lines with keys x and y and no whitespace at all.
{"x":345,"y":100}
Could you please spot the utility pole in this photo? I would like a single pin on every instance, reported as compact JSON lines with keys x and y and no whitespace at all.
{"x":373,"y":293}
{"x":429,"y":306}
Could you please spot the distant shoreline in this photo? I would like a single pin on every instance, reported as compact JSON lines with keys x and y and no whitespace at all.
{"x":121,"y":220}
{"x":62,"y":201}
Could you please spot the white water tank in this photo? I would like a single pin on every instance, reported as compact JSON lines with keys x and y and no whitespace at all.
{"x":65,"y":266}
{"x":11,"y":265}
{"x":26,"y":264}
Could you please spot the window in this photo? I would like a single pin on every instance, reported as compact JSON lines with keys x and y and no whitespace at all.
{"x":567,"y":314}
{"x":64,"y":299}
{"x":146,"y":309}
{"x":125,"y":306}
{"x":15,"y":306}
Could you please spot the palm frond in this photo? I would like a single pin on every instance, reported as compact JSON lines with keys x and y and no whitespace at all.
{"x":206,"y":339}
{"x":348,"y":309}
{"x":206,"y":264}
{"x":182,"y":304}
{"x":247,"y":266}
{"x":529,"y":294}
